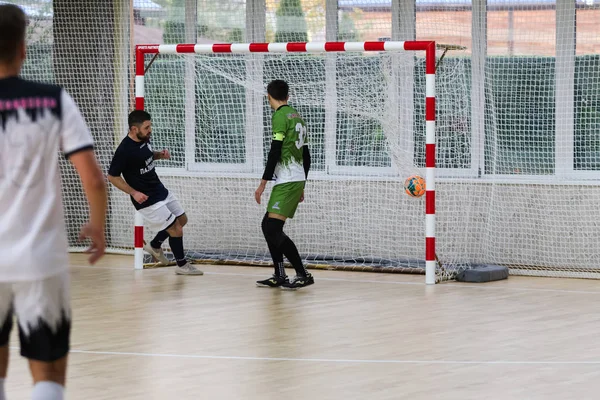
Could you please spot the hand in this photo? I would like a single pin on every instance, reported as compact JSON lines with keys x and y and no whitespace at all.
{"x":139,"y":197}
{"x":165,"y":155}
{"x":260,"y":190}
{"x":302,"y":197}
{"x":96,"y":235}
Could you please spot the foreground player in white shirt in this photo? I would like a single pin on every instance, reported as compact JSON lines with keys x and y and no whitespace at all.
{"x":36,"y":121}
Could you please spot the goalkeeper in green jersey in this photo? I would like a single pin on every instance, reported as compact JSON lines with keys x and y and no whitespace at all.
{"x":287,"y":165}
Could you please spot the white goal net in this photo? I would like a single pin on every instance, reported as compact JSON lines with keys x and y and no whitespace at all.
{"x":365,"y":113}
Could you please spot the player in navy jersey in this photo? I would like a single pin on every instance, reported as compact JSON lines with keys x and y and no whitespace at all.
{"x":36,"y":122}
{"x":134,"y":160}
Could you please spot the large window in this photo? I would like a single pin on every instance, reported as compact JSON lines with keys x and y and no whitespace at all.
{"x":520,"y":116}
{"x":443,"y":22}
{"x":220,"y":110}
{"x":587,"y":88}
{"x":587,"y":113}
{"x":447,"y":24}
{"x":361,"y":91}
{"x":295,"y":20}
{"x":519,"y":134}
{"x":364,"y":20}
{"x":520,"y":88}
{"x":157,"y":22}
{"x":40,"y":40}
{"x":453,"y":116}
{"x":517,"y":27}
{"x":221,"y":21}
{"x":165,"y":101}
{"x":306,"y":75}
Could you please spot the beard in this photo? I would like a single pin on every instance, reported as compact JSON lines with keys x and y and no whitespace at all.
{"x":143,"y":138}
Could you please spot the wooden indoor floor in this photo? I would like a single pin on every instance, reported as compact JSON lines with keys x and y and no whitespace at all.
{"x":154,"y":335}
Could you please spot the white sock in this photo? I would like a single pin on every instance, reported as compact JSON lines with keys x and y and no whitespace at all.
{"x":2,"y":395}
{"x":46,"y":390}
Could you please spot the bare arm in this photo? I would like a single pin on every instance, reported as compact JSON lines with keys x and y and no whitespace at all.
{"x":95,"y":190}
{"x":120,"y":184}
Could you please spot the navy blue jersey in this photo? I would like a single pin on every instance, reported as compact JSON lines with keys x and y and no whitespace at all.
{"x":135,"y":161}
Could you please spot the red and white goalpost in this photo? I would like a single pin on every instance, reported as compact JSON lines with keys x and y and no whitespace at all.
{"x":429,"y":47}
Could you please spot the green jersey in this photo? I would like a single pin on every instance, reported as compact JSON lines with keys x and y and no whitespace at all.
{"x":289,"y":128}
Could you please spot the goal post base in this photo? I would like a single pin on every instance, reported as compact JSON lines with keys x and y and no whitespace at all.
{"x":483,"y":273}
{"x":312,"y":262}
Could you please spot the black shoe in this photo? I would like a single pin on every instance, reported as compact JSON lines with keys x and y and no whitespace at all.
{"x":274,"y":281}
{"x":299,"y":282}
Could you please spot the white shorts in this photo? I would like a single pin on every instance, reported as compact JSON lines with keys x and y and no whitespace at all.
{"x":161,"y":215}
{"x":43,"y":311}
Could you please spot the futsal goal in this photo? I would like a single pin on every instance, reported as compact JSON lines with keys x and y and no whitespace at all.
{"x":353,"y":97}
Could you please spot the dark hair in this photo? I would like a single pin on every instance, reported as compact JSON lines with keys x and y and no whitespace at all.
{"x":278,"y":89}
{"x":13,"y":24}
{"x":137,"y":117}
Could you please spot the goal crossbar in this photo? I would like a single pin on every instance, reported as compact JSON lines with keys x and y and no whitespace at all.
{"x":428,"y":47}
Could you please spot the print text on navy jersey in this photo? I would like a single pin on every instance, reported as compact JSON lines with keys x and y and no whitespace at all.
{"x":135,"y":162}
{"x":149,"y":166}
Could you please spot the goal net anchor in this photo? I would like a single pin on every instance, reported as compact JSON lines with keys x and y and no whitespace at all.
{"x":445,"y":47}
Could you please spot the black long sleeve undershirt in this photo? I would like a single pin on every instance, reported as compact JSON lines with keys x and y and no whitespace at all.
{"x":306,"y":160}
{"x":275,"y":156}
{"x":272,"y":159}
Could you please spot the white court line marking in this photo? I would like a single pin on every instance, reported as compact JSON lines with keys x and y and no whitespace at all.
{"x":333,"y":360}
{"x":453,"y":285}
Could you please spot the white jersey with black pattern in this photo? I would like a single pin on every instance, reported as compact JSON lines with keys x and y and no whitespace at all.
{"x":37,"y":121}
